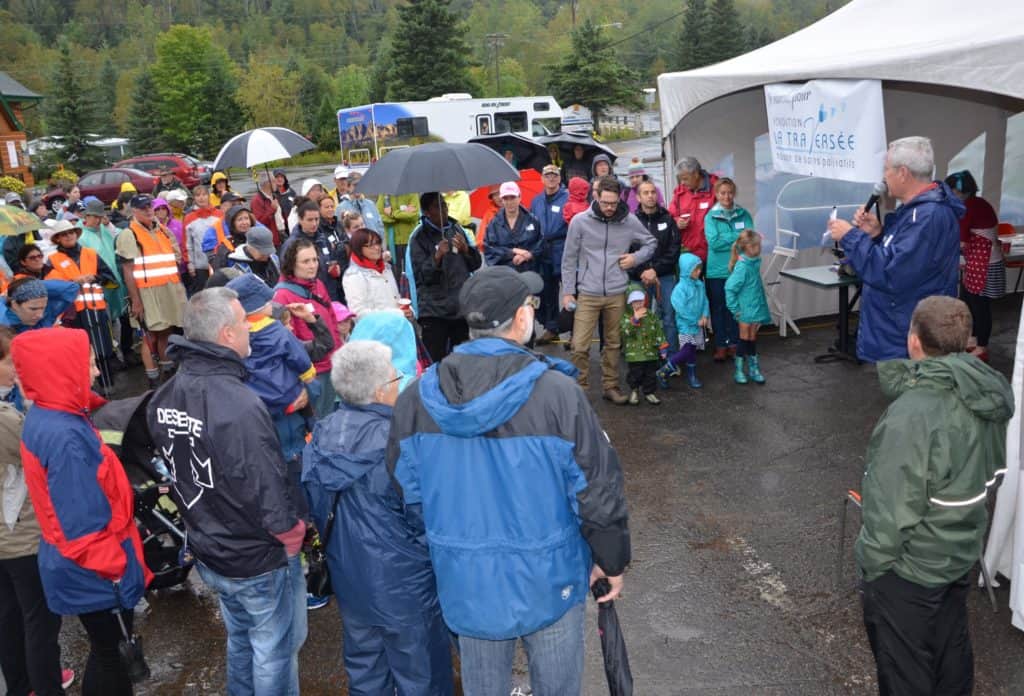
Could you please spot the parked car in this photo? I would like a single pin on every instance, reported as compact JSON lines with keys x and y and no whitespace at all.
{"x":205,"y":168}
{"x":186,"y":168}
{"x":105,"y":184}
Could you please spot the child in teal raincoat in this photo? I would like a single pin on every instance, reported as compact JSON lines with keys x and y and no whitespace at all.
{"x":745,"y":298}
{"x":690,"y":302}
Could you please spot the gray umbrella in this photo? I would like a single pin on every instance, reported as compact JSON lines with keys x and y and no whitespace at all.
{"x":259,"y":146}
{"x":436,"y":167}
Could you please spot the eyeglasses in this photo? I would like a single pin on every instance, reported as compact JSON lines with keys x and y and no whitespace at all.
{"x":391,"y":381}
{"x":33,"y":257}
{"x":373,"y":243}
{"x":532,"y":301}
{"x":552,"y":174}
{"x":608,"y":204}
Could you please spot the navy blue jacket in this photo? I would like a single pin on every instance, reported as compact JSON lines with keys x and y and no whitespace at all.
{"x":377,"y":552}
{"x":916,"y":256}
{"x":500,"y":240}
{"x":553,"y":226}
{"x":494,"y":423}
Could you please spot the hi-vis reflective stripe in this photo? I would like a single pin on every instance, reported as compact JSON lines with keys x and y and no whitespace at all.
{"x":970,"y":501}
{"x":156,"y":258}
{"x":143,"y":273}
{"x":90,"y":293}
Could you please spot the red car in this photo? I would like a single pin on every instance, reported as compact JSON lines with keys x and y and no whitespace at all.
{"x":187,"y":169}
{"x":105,"y":184}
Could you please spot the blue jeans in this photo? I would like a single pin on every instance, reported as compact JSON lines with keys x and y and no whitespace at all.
{"x":666,"y":284}
{"x":265,"y":617}
{"x":555,"y":654}
{"x":727,"y":331}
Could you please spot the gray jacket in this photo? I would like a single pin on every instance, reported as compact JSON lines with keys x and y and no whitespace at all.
{"x":590,"y":264}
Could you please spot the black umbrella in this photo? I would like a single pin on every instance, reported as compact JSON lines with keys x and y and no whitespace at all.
{"x":613,"y":644}
{"x":436,"y":167}
{"x":259,"y":146}
{"x":566,"y":143}
{"x":528,"y":153}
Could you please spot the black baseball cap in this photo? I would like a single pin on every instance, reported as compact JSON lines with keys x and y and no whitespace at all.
{"x":231,"y":197}
{"x":142,"y":200}
{"x":494,"y":294}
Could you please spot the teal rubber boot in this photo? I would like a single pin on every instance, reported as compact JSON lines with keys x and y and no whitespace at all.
{"x":739,"y":376}
{"x":691,"y":376}
{"x":754,"y":369}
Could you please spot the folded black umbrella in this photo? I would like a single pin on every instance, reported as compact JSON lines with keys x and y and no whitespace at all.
{"x":613,"y":644}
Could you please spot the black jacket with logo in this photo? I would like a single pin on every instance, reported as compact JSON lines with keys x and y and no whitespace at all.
{"x":231,"y":481}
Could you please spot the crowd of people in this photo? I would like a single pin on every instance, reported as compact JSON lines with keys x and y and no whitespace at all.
{"x":357,"y":378}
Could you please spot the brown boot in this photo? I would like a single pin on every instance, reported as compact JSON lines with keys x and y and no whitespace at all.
{"x":731,"y":351}
{"x":615,"y":396}
{"x":719,"y":355}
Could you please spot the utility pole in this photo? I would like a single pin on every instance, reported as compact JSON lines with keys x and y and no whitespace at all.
{"x":572,"y":5}
{"x":497,"y":41}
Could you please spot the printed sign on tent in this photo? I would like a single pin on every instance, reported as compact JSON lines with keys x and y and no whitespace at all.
{"x":828,"y":128}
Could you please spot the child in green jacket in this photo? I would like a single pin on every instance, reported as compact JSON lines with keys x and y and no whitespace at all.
{"x":644,"y":340}
{"x":745,"y":298}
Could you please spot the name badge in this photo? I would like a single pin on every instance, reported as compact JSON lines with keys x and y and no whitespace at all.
{"x":325,"y":251}
{"x":662,"y":226}
{"x":65,"y":263}
{"x":369,"y":215}
{"x":556,"y":209}
{"x":529,"y":228}
{"x":704,"y":205}
{"x":741,"y":226}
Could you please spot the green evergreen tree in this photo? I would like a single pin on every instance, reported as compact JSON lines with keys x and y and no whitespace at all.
{"x":693,"y":43}
{"x":591,"y":75}
{"x":429,"y":51}
{"x":325,"y":134}
{"x":724,"y":24}
{"x":108,"y":97}
{"x":314,"y":87}
{"x":145,"y":130}
{"x":71,"y":114}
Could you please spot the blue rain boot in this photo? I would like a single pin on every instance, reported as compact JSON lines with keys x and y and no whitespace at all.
{"x":691,"y":376}
{"x":664,"y":372}
{"x":738,"y":375}
{"x":754,"y":369}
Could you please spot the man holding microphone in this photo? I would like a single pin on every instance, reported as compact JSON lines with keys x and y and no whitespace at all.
{"x":916,"y":254}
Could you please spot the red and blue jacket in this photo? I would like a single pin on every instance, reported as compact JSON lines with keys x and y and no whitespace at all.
{"x":90,"y":555}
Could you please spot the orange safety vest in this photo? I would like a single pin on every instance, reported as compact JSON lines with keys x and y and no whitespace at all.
{"x":90,"y":295}
{"x":221,"y":237}
{"x":155,"y":265}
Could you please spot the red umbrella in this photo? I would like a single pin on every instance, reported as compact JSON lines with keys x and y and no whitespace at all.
{"x":530,"y":184}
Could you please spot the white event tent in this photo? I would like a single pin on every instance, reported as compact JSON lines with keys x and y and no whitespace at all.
{"x":951,"y":71}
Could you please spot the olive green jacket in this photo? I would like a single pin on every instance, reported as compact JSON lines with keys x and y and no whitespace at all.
{"x":931,"y":458}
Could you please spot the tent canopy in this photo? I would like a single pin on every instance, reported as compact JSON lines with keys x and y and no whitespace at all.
{"x":951,"y":72}
{"x":977,"y":46}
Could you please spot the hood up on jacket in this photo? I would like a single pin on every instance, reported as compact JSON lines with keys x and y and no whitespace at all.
{"x":347,"y":446}
{"x":982,"y":390}
{"x":483,"y":384}
{"x":391,"y":328}
{"x":578,"y":189}
{"x":218,"y":176}
{"x":53,"y":366}
{"x":689,"y":287}
{"x":601,"y":158}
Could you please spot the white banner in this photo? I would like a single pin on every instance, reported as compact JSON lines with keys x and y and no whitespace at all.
{"x":12,"y":155}
{"x":828,"y":128}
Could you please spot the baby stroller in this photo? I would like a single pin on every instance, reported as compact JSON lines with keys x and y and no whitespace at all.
{"x":122,"y":425}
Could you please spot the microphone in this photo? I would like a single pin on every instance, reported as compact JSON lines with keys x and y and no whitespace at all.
{"x":876,"y":193}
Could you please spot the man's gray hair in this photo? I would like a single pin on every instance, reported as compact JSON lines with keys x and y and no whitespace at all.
{"x":687,"y":165}
{"x":498,"y":331}
{"x":359,"y":369}
{"x":207,"y":312}
{"x":262,"y":179}
{"x":916,"y":154}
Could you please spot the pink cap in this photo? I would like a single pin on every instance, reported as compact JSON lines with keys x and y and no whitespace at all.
{"x":509,"y":188}
{"x":341,"y":312}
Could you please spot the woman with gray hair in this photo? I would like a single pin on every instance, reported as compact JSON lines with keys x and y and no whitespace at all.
{"x":380,"y":569}
{"x":266,"y":208}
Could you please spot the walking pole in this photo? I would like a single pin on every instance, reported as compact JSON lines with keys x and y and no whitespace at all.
{"x":92,"y":321}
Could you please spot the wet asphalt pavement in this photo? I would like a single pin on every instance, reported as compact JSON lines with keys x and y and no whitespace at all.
{"x":734,"y":496}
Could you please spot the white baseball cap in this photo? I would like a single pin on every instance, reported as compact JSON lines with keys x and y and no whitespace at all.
{"x":341,"y":172}
{"x":509,"y":188}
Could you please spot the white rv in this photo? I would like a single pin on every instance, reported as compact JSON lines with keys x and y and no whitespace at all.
{"x":367,"y":132}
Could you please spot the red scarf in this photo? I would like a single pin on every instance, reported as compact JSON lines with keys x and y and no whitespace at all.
{"x":377,"y":265}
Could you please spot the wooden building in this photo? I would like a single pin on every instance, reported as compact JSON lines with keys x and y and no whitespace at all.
{"x":14,"y":160}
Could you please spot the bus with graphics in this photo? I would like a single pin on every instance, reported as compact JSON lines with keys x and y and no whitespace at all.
{"x":368,"y":132}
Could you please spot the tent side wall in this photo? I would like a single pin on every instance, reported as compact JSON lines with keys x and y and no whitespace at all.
{"x":952,"y":118}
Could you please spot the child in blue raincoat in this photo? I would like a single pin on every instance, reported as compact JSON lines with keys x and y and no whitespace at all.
{"x":745,"y":298}
{"x":690,"y":302}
